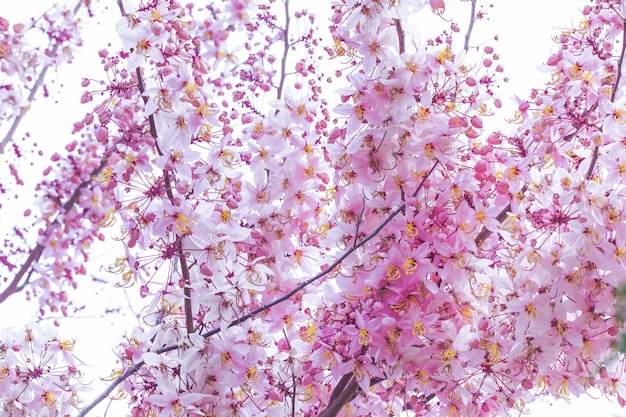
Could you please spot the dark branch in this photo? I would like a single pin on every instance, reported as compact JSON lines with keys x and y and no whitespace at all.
{"x":36,"y":252}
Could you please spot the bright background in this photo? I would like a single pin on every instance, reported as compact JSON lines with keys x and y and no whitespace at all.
{"x":524,"y":29}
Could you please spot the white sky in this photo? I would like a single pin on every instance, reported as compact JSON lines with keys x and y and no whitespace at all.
{"x":524,"y":29}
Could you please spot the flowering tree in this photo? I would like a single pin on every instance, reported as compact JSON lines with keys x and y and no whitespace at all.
{"x":320,"y":222}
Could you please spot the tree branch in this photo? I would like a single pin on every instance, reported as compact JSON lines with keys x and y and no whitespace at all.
{"x":400,"y":31}
{"x":33,"y":91}
{"x":184,"y":267}
{"x":342,"y":399}
{"x":502,"y":215}
{"x":471,"y":26}
{"x":326,"y":271}
{"x":345,"y":396}
{"x":293,"y":378}
{"x":104,"y":394}
{"x":33,"y":257}
{"x":341,"y":385}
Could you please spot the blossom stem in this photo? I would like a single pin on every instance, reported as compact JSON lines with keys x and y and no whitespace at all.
{"x":400,"y":31}
{"x":349,"y":390}
{"x":468,"y":35}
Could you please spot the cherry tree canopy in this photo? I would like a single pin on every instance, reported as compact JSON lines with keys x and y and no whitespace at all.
{"x":317,"y":215}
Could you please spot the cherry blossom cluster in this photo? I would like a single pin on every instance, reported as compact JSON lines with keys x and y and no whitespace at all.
{"x":497,"y":279}
{"x":376,"y":251}
{"x":39,"y":374}
{"x":58,"y":236}
{"x":26,"y":50}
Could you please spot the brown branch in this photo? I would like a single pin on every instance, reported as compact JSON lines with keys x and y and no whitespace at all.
{"x":400,"y":31}
{"x":104,"y":394}
{"x":120,"y":5}
{"x":326,"y":271}
{"x":187,"y":290}
{"x":342,"y":399}
{"x":339,"y":388}
{"x":293,"y":394}
{"x":279,"y":300}
{"x":31,"y":96}
{"x":184,"y":267}
{"x":33,"y":257}
{"x":293,"y":378}
{"x":585,"y":114}
{"x":36,"y":252}
{"x":168,"y":189}
{"x":484,"y":233}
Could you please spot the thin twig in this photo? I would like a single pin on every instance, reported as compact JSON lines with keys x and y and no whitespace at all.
{"x":400,"y":31}
{"x":348,"y":252}
{"x":584,"y":115}
{"x":326,"y":271}
{"x":484,"y":233}
{"x":596,"y":148}
{"x":358,"y":223}
{"x":187,"y":290}
{"x":502,"y":215}
{"x":184,"y":267}
{"x":120,"y":5}
{"x":293,"y":377}
{"x":32,"y":258}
